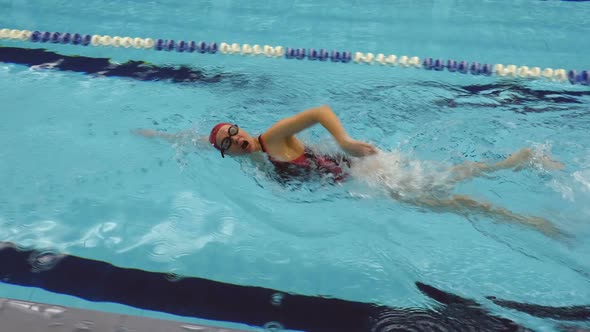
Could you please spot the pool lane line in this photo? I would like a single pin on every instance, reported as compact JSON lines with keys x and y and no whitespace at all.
{"x":99,"y":281}
{"x":102,"y":67}
{"x":572,"y":76}
{"x":42,"y":59}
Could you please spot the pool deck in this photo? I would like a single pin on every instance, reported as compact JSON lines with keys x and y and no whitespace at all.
{"x":17,"y":316}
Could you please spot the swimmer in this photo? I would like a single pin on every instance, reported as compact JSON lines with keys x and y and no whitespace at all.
{"x":287,"y":153}
{"x":291,"y":157}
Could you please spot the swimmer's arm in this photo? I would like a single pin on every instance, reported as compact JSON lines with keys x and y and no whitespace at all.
{"x":323,"y":115}
{"x":292,"y":125}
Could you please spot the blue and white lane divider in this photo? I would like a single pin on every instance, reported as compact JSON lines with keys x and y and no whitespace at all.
{"x":463,"y":67}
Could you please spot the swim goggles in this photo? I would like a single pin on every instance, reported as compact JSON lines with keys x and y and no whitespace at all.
{"x":227,"y":141}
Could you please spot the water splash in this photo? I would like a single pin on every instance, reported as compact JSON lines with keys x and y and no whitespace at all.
{"x":583,"y":178}
{"x":396,"y":175}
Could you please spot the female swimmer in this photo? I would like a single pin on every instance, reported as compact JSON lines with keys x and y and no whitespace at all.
{"x":291,"y":158}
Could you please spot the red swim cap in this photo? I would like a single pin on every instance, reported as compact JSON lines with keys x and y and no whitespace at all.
{"x":213,"y":134}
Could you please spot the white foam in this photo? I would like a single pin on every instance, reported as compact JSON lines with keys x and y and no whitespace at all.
{"x":566,"y":191}
{"x":47,"y":65}
{"x":583,"y":177}
{"x":401,"y":176}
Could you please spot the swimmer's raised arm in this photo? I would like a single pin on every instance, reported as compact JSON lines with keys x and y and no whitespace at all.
{"x":323,"y":115}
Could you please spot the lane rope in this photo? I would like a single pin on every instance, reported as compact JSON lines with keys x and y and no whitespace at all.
{"x":390,"y":60}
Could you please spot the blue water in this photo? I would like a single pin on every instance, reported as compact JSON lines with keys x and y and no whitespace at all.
{"x":75,"y":179}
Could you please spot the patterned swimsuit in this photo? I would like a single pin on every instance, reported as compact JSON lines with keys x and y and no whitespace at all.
{"x":309,"y":164}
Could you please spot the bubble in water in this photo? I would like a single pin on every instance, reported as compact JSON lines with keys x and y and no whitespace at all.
{"x":44,"y":260}
{"x":273,"y":327}
{"x":277,"y":299}
{"x":174,"y":277}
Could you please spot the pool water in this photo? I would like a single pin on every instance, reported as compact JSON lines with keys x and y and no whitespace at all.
{"x":76,"y":179}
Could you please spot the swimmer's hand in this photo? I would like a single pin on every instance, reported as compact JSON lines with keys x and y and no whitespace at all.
{"x":174,"y":138}
{"x":147,"y":132}
{"x":357,"y":148}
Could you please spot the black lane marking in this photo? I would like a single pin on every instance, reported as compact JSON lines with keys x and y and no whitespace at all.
{"x":138,"y":70}
{"x":143,"y":71}
{"x":572,"y":313}
{"x":197,"y":297}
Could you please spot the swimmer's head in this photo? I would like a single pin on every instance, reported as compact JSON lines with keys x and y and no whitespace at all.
{"x":232,"y":140}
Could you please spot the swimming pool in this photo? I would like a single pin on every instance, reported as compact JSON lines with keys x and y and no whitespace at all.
{"x":75,"y":180}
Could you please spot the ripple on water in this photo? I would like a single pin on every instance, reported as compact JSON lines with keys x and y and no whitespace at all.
{"x":160,"y":251}
{"x":44,"y":260}
{"x":174,"y":276}
{"x":190,"y":225}
{"x":273,"y":327}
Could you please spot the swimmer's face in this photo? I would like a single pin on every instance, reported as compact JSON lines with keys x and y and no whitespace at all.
{"x":239,"y":141}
